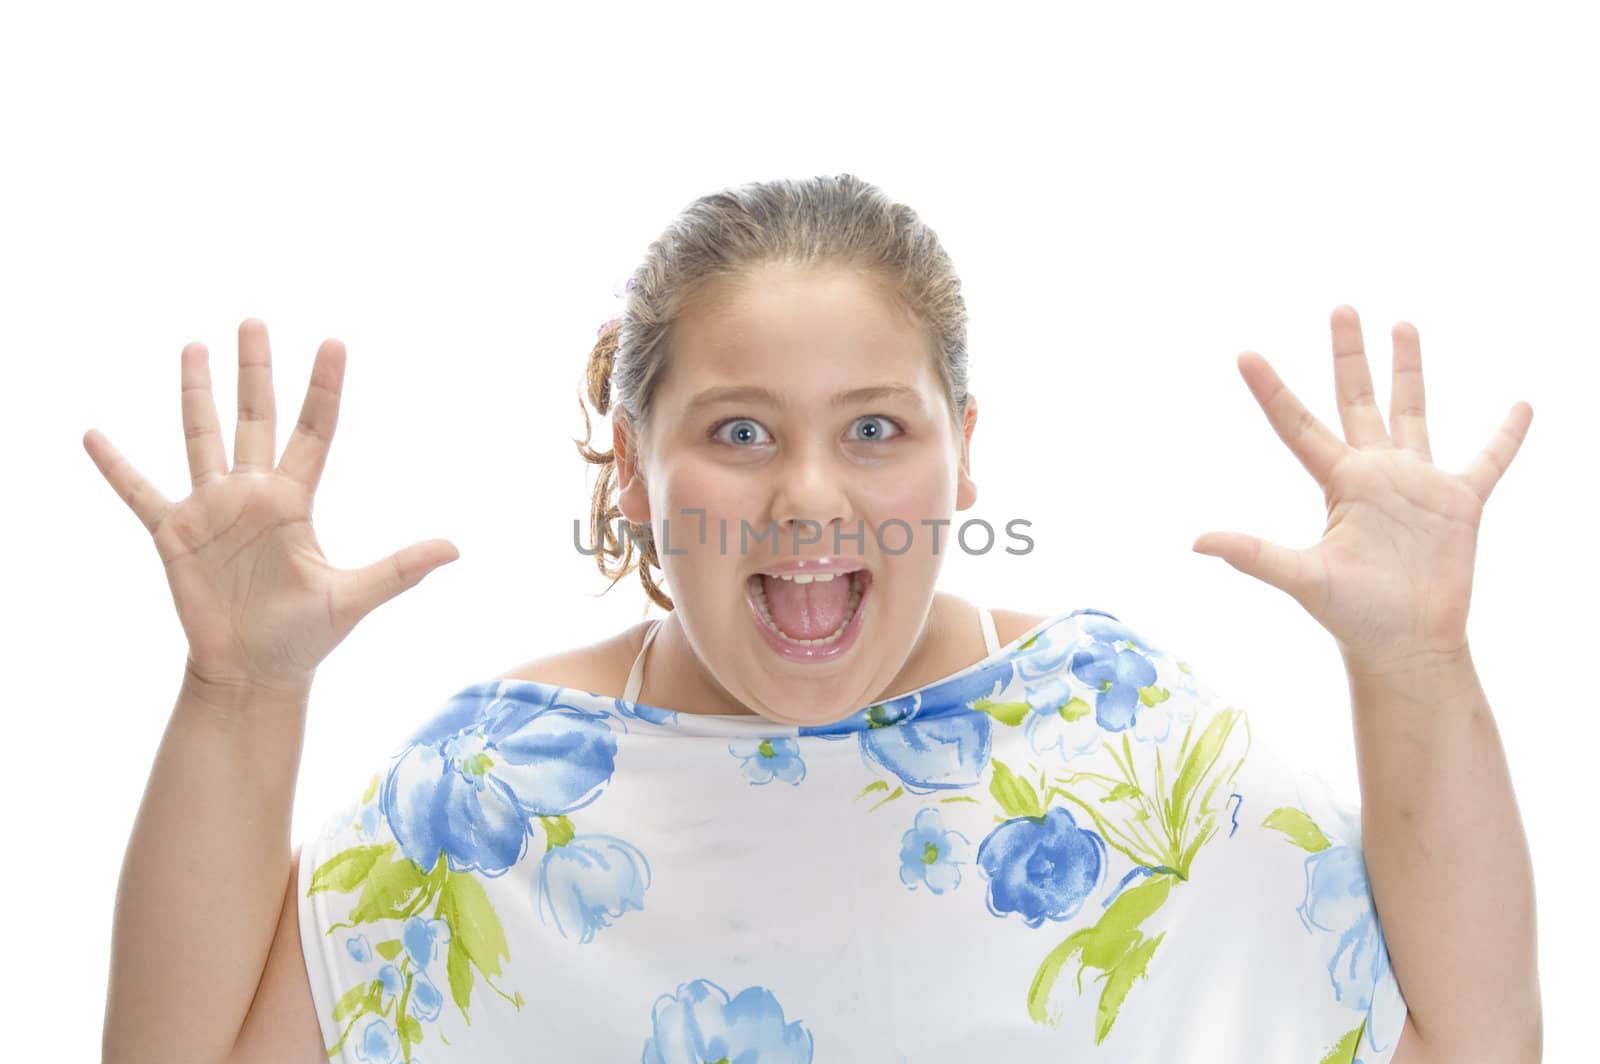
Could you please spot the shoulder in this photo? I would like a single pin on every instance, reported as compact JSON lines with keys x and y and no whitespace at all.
{"x":601,"y":667}
{"x":1013,"y":624}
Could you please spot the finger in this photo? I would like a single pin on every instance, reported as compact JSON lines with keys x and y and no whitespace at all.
{"x":1358,"y":412}
{"x":148,"y":504}
{"x":306,"y":453}
{"x":369,"y":587}
{"x":1408,"y":426}
{"x":1284,"y":569}
{"x":255,"y":438}
{"x":1490,"y":465}
{"x":1317,"y":448}
{"x":201,"y":431}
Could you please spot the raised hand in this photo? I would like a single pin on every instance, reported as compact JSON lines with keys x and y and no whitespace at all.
{"x":259,"y":603}
{"x":1392,"y":577}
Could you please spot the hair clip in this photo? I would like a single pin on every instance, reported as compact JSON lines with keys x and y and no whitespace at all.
{"x":619,"y":290}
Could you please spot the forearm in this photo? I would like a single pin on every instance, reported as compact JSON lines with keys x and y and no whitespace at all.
{"x":1447,"y":858}
{"x":204,"y":874}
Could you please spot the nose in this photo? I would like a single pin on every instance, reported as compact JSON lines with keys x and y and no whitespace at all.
{"x":810,"y":494}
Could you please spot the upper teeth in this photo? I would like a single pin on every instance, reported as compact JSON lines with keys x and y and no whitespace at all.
{"x":806,"y":578}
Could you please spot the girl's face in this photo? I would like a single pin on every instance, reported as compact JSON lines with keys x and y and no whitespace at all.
{"x":800,"y":423}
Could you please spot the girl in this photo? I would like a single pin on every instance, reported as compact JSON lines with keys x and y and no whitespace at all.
{"x":821,"y":811}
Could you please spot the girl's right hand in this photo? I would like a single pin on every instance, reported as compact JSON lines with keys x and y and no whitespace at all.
{"x":259,"y":603}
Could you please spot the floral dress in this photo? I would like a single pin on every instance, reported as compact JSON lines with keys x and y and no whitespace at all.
{"x":1068,"y":851}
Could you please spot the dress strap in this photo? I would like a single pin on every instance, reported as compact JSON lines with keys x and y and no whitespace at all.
{"x":636,"y":674}
{"x":991,"y":639}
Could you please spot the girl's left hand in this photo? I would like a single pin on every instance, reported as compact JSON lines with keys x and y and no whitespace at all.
{"x":1392,"y":577}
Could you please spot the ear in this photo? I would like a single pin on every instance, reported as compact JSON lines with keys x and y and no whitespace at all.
{"x":632,"y":497}
{"x":966,"y":488}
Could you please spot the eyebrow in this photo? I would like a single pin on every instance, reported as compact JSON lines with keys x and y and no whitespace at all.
{"x":766,"y":396}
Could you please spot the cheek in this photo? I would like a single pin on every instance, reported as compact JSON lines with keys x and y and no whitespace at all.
{"x":698,"y":502}
{"x":925,"y":490}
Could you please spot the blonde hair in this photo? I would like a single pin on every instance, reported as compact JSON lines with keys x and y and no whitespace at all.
{"x":842,"y":222}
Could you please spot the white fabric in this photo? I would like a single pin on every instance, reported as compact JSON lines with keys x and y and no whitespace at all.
{"x":1069,"y":851}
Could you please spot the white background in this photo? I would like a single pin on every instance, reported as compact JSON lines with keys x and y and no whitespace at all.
{"x":1132,"y":199}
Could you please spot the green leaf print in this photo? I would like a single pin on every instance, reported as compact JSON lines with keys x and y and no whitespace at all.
{"x":1008,"y":713}
{"x":1015,"y":794}
{"x":1200,"y":761}
{"x":388,"y":889}
{"x":459,"y":969}
{"x":355,"y":1003}
{"x":1160,"y":824}
{"x":1075,"y":708}
{"x":476,"y":936}
{"x":558,"y":831}
{"x":1344,"y":1051}
{"x":892,"y":795}
{"x":393,"y":888}
{"x":1114,"y":945}
{"x":875,"y":785}
{"x":1154,"y":696}
{"x":351,"y":1001}
{"x":347,"y":869}
{"x":1299,"y":828}
{"x":1118,"y":982}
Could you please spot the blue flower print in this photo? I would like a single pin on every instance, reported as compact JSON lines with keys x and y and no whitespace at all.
{"x":1041,"y":867}
{"x":589,"y":880}
{"x":648,"y":714}
{"x":767,"y":759}
{"x":1070,"y":731}
{"x":367,"y":823}
{"x":1153,"y":722}
{"x":378,"y":1043}
{"x":424,"y":942}
{"x":1112,"y":631}
{"x":426,"y":1001}
{"x":1073,"y":723}
{"x":699,"y":1023}
{"x":1117,"y":676}
{"x":1338,"y":900}
{"x":881,"y":715}
{"x":423,"y":939}
{"x":1044,"y":687}
{"x":929,"y":755}
{"x":471,"y":778}
{"x":1059,"y":718}
{"x":930,"y":854}
{"x":359,"y":948}
{"x":394,"y":983}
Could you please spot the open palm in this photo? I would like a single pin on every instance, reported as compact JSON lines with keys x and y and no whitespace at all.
{"x":257,"y":599}
{"x":1391,"y":578}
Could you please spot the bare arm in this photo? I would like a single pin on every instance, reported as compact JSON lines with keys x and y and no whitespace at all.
{"x":282,"y":1026}
{"x":203,"y":880}
{"x":1451,"y":873}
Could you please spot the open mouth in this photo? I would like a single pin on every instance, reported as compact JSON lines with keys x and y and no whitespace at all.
{"x":809,"y":609}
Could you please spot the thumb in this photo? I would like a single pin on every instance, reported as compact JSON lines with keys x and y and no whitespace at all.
{"x":1267,"y":562}
{"x":372,"y":585}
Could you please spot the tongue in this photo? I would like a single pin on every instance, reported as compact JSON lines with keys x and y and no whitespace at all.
{"x":807,"y":611}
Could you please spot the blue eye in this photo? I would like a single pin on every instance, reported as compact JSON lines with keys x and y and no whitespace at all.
{"x":744,"y":432}
{"x":877,"y":433}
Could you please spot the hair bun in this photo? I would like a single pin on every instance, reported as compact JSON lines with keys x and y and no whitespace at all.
{"x":601,"y":359}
